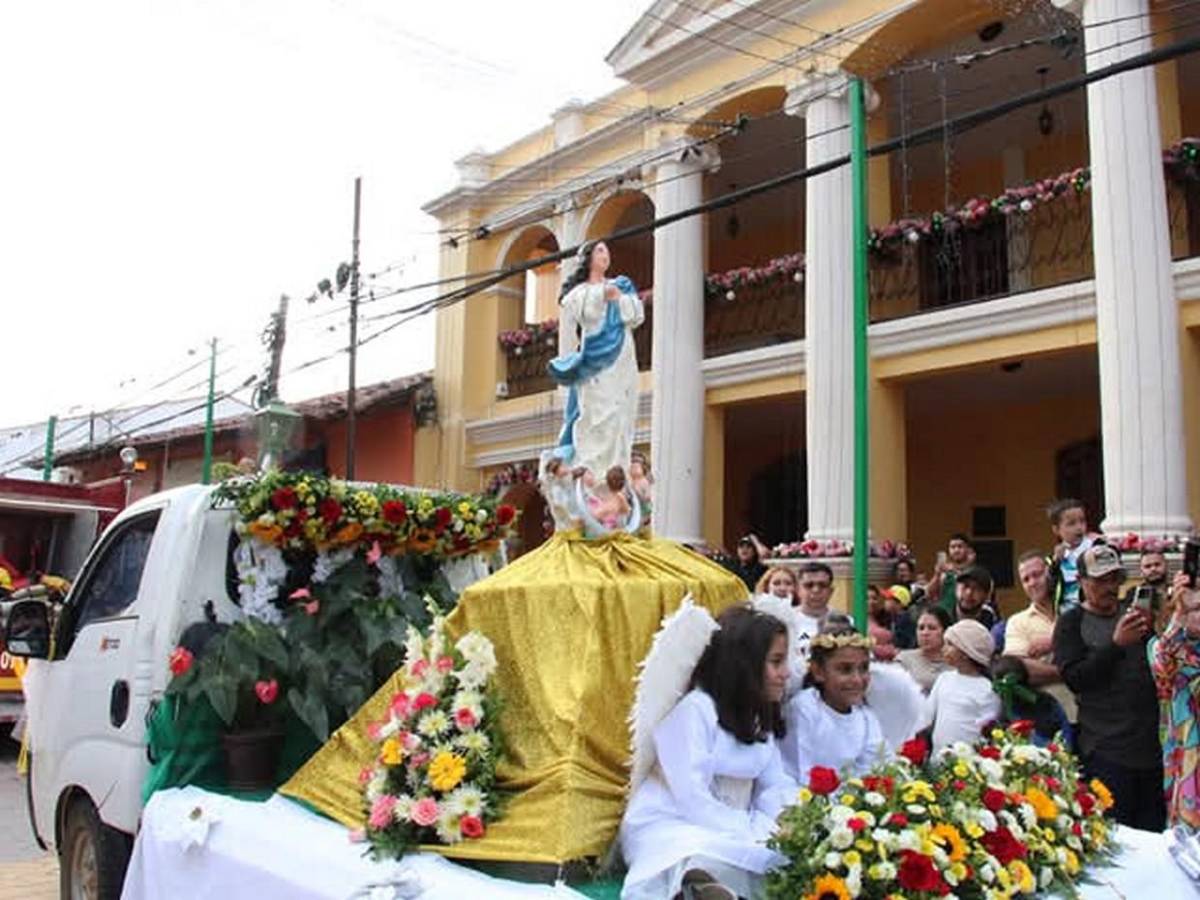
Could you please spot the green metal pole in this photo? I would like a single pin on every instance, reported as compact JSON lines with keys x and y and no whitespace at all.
{"x":48,"y":455}
{"x":862,"y":508}
{"x":206,"y":471}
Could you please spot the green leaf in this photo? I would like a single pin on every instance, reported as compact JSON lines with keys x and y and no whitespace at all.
{"x":311,"y":711}
{"x":222,"y":696}
{"x":270,"y":647}
{"x":375,"y":632}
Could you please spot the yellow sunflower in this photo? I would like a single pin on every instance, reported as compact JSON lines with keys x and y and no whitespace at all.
{"x":829,"y":887}
{"x":948,"y":836}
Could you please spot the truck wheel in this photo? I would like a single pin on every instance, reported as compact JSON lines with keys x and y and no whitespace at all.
{"x":93,"y":857}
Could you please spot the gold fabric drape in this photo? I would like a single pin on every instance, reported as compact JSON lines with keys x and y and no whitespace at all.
{"x":570,"y":621}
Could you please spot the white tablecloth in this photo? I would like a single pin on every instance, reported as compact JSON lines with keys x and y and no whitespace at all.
{"x":278,"y":849}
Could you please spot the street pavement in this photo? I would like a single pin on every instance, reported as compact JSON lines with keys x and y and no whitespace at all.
{"x":26,"y":871}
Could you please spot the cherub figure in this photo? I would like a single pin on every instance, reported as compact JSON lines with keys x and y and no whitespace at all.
{"x":641,"y":481}
{"x":609,"y":504}
{"x":558,"y":487}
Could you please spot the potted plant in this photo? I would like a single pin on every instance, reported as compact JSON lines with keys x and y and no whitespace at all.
{"x":242,"y":675}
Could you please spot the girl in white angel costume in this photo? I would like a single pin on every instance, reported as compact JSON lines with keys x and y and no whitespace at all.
{"x":707,"y":779}
{"x":828,"y":722}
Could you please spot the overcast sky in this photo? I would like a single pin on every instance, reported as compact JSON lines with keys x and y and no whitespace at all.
{"x":171,"y":166}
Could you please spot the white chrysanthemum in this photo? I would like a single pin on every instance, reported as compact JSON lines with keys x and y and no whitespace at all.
{"x":472,"y":676}
{"x":853,"y":880}
{"x":477,"y":650}
{"x":448,"y":830}
{"x":840,"y":838}
{"x":874,"y":798}
{"x":433,"y":723}
{"x":473,"y":742}
{"x":940,"y":857}
{"x":391,"y":584}
{"x":833,"y":860}
{"x":1028,"y":815}
{"x":884,"y":838}
{"x":916,"y":809}
{"x":1045,"y":877}
{"x":908,"y":840}
{"x":992,"y":770}
{"x":469,"y":700}
{"x":1060,"y":853}
{"x":986,"y":873}
{"x":840,"y":814}
{"x":403,"y":809}
{"x":986,"y":819}
{"x":376,"y":786}
{"x":1074,"y":843}
{"x":328,"y":562}
{"x":882,"y":871}
{"x":466,"y":800}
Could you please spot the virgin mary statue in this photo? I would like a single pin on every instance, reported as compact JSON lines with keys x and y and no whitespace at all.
{"x":602,"y":373}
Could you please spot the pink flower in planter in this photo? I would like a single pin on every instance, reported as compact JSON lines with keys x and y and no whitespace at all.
{"x":266,"y":691}
{"x":424,"y":812}
{"x":811,"y":548}
{"x":299,"y":594}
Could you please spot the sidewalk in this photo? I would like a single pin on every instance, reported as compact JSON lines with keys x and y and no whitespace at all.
{"x":34,"y":879}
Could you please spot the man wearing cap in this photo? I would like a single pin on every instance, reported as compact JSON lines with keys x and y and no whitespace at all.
{"x":1100,"y":650}
{"x":972,"y":589}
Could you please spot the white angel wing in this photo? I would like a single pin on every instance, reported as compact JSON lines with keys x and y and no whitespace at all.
{"x":897,"y":702}
{"x":783,"y":610}
{"x":664,"y":677}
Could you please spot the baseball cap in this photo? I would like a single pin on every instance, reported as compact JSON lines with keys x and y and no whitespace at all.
{"x":1100,"y":560}
{"x":977,"y":575}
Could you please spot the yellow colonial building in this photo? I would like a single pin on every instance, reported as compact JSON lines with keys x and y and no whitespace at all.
{"x":1035,"y":280}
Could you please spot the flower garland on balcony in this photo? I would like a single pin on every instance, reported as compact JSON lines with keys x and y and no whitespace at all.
{"x":1181,"y":161}
{"x":781,"y":270}
{"x":524,"y":473}
{"x":515,"y":341}
{"x":836,"y":549}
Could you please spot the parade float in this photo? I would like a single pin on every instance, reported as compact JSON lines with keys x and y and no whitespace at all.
{"x":495,"y":756}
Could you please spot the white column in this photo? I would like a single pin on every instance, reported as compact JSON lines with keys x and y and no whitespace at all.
{"x":677,"y":411}
{"x":1137,"y":314}
{"x":828,"y":308}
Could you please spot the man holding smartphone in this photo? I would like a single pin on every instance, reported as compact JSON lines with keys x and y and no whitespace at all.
{"x":1100,"y":650}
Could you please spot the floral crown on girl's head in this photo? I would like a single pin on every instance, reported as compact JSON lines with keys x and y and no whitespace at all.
{"x":838,"y":641}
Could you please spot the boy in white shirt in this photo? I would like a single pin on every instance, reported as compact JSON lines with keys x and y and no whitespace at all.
{"x":962,"y":701}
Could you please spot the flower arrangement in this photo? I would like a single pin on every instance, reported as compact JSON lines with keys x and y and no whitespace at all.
{"x":1182,"y":159}
{"x":308,"y":512}
{"x":782,"y":270}
{"x":836,"y":549}
{"x":1131,"y":542}
{"x":525,"y":473}
{"x":990,"y":822}
{"x":515,"y":341}
{"x":433,"y":780}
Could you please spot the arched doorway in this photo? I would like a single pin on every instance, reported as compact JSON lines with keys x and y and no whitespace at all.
{"x":632,"y":256}
{"x":530,"y":296}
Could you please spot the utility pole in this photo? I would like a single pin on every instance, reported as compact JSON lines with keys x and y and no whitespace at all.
{"x":277,"y":339}
{"x":862,"y":422}
{"x":206,"y":470}
{"x":48,"y":456}
{"x":350,"y":418}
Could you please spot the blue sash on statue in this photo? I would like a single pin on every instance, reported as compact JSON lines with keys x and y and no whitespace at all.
{"x":597,"y":351}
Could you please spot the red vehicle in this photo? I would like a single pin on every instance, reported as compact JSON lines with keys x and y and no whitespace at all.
{"x":46,"y":528}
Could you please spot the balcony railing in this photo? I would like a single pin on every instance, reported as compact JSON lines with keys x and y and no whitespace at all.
{"x":757,"y":315}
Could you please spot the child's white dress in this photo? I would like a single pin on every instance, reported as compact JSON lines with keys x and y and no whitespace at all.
{"x":710,"y":802}
{"x":959,"y":706}
{"x":818,"y":735}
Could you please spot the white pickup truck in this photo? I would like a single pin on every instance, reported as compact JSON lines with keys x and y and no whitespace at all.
{"x":93,"y":674}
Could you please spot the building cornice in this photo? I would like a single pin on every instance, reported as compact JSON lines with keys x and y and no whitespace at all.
{"x":753,"y":365}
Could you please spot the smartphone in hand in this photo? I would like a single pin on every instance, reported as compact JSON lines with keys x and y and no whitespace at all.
{"x":1191,"y":560}
{"x":1145,"y":597}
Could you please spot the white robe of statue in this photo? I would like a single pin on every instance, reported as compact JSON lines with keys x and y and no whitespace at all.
{"x":608,"y":403}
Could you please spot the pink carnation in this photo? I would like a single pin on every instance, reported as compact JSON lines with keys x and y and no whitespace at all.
{"x":400,"y":705}
{"x":419,"y":668}
{"x":465,"y":719}
{"x":381,"y":811}
{"x":365,"y":774}
{"x":424,"y":812}
{"x":445,"y":664}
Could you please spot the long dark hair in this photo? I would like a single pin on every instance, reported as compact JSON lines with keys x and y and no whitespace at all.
{"x":583,"y":268}
{"x":731,"y":672}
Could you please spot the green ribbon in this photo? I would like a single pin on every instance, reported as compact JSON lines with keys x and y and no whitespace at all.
{"x":1010,"y":690}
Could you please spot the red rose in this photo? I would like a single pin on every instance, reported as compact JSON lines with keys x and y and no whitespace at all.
{"x":856,"y":824}
{"x":1002,"y":845}
{"x":915,"y":750}
{"x":900,"y":820}
{"x":471,"y":826}
{"x":284,"y":498}
{"x":180,"y":660}
{"x":959,"y":784}
{"x":989,"y":752}
{"x":918,"y":873}
{"x":1021,"y":726}
{"x":505,"y":513}
{"x":294,"y":529}
{"x":1086,"y":802}
{"x":442,"y":519}
{"x":1053,"y":784}
{"x":424,"y":701}
{"x":394,"y":512}
{"x":1053,"y":748}
{"x":994,"y":799}
{"x":822,"y":780}
{"x":1077,"y":829}
{"x":330,"y":510}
